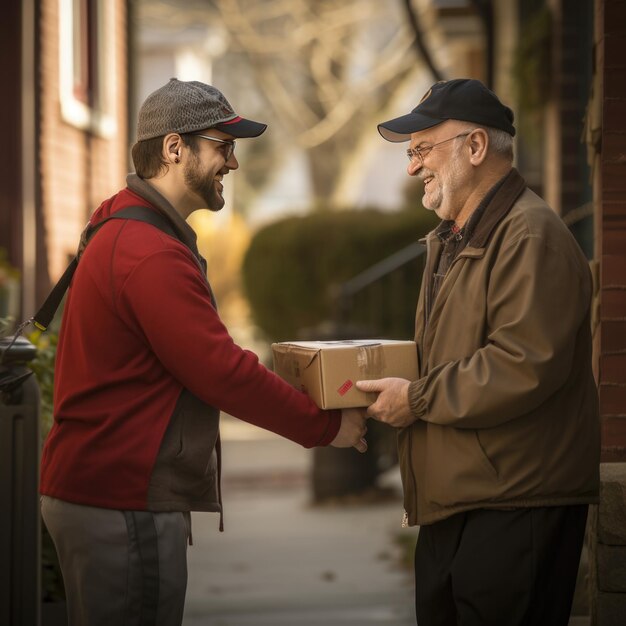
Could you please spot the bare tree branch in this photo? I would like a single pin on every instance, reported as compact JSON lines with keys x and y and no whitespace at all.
{"x":485,"y":10}
{"x":420,"y":44}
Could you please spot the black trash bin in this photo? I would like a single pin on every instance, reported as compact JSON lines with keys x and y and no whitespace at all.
{"x":19,"y":485}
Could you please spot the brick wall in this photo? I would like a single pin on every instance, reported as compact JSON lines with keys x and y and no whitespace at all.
{"x":611,"y":229}
{"x":608,"y":142}
{"x":79,"y":168}
{"x":608,"y":552}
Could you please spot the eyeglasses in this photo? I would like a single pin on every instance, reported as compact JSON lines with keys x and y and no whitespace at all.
{"x":229,"y":143}
{"x":422,"y":153}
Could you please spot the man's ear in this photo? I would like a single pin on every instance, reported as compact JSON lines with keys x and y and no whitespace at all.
{"x":172,"y":144}
{"x":479,"y":144}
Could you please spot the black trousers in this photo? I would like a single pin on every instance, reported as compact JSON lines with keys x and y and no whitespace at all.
{"x":499,"y":568}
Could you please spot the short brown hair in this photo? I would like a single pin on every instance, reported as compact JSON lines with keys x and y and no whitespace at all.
{"x":148,"y":155}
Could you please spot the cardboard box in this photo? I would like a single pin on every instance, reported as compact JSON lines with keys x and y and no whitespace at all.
{"x":328,"y":370}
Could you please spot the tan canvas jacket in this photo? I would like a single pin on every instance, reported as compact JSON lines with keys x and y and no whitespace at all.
{"x":506,"y":401}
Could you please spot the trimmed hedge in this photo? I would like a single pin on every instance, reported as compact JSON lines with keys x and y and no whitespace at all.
{"x":292,"y":265}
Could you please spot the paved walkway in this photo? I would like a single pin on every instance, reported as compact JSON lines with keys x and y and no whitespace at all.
{"x":282,"y":562}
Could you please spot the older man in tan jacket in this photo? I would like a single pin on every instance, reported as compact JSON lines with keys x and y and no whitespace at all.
{"x":499,"y":435}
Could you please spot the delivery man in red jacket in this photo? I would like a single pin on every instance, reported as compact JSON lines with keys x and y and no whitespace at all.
{"x":144,"y":366}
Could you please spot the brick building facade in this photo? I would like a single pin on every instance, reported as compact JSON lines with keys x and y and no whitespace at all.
{"x":67,"y":128}
{"x":606,"y":137}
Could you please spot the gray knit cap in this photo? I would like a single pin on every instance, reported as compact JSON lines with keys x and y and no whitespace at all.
{"x":186,"y":107}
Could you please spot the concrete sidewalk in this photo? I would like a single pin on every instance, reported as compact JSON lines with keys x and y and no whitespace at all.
{"x":281,"y":561}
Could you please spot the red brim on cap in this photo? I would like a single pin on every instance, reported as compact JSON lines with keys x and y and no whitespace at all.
{"x":241,"y":127}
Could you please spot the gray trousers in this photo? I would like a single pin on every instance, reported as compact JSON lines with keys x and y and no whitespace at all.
{"x":121,"y":568}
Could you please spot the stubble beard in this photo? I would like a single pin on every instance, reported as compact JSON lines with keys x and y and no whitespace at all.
{"x":437,"y":199}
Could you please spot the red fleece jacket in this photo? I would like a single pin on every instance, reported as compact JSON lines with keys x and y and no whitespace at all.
{"x":137,"y":328}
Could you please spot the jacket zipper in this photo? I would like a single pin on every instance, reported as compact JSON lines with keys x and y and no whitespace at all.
{"x":427,"y":287}
{"x":428,"y":315}
{"x":405,"y":517}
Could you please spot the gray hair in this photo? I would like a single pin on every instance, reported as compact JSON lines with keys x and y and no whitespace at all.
{"x":500,"y":142}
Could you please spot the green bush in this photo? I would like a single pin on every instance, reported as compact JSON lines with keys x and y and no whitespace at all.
{"x":292,"y":266}
{"x":43,"y":368}
{"x":52,"y":588}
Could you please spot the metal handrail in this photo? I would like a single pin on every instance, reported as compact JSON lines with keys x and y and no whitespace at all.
{"x":359,"y":302}
{"x":578,"y":214}
{"x":381,"y":269}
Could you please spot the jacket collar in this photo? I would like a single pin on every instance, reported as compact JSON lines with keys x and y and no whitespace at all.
{"x":499,"y":202}
{"x":150,"y":193}
{"x":498,"y":207}
{"x":185,"y":233}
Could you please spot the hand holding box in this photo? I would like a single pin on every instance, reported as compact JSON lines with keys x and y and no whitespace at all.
{"x":328,"y":370}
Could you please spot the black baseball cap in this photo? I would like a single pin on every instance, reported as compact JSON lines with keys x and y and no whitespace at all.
{"x":464,"y":99}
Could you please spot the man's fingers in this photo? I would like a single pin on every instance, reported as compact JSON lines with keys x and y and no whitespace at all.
{"x":369,"y":385}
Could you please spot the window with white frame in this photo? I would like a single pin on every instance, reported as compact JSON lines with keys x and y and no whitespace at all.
{"x":87,"y":54}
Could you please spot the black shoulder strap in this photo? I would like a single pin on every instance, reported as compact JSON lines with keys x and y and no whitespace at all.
{"x":46,"y":313}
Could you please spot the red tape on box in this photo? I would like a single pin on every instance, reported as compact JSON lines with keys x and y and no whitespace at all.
{"x":343,"y":390}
